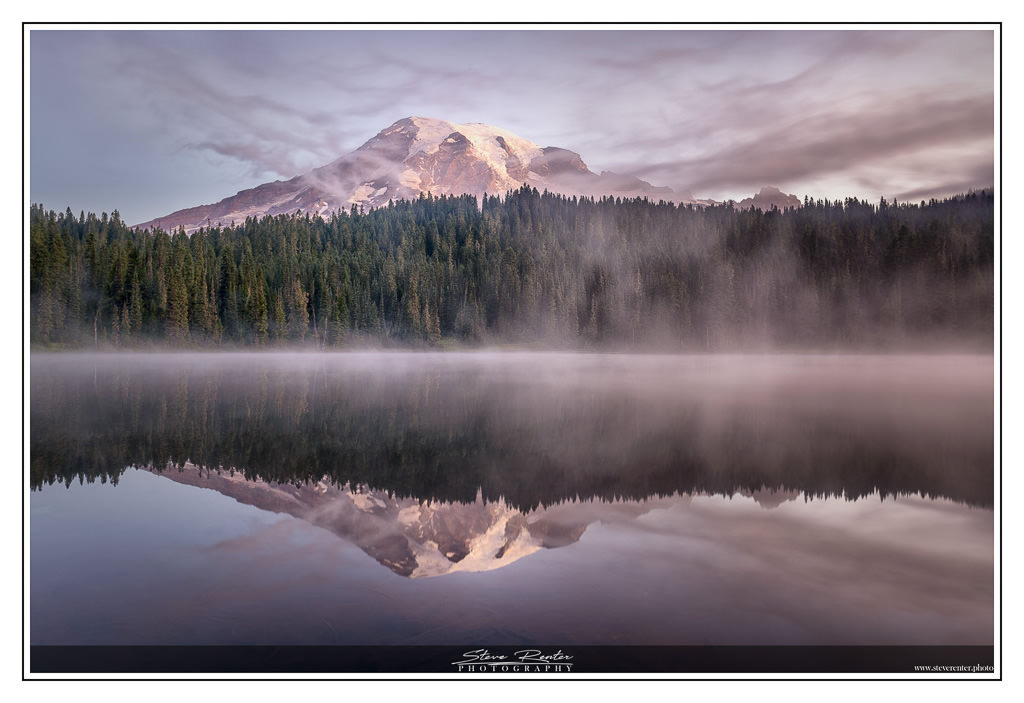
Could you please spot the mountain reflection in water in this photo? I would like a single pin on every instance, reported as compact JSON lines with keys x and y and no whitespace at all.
{"x":512,"y":498}
{"x":425,"y":539}
{"x":152,"y":561}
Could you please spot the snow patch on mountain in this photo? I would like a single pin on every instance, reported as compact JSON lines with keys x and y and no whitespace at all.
{"x":367,"y":502}
{"x":483,"y":551}
{"x":366,"y":192}
{"x":409,"y":179}
{"x":431,"y":133}
{"x":409,"y":515}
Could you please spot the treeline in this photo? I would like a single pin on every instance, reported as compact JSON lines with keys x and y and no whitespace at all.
{"x":526,"y":268}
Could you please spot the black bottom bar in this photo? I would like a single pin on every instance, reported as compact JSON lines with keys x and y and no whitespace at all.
{"x":478,"y":661}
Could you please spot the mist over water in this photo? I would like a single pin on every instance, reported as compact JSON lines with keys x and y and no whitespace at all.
{"x":528,"y":428}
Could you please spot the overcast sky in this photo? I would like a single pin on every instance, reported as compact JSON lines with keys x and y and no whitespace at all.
{"x":149,"y":122}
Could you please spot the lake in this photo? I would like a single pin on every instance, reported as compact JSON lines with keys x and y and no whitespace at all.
{"x":511,"y":499}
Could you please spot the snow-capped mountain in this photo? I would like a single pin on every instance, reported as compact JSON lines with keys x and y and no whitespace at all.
{"x":412,"y":538}
{"x":419,"y":155}
{"x":421,"y":539}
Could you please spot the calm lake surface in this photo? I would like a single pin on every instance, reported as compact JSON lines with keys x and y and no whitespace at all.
{"x":510,"y":498}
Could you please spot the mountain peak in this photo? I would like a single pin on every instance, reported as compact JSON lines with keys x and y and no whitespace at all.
{"x":416,"y":155}
{"x":769,"y":197}
{"x":412,"y":156}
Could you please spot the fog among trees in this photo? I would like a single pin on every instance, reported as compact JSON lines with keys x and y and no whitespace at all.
{"x":530,"y":268}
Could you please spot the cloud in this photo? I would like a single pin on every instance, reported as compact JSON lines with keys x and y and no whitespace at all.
{"x":292,"y":114}
{"x":210,"y":107}
{"x":778,"y":107}
{"x":839,"y":141}
{"x":981,"y":177}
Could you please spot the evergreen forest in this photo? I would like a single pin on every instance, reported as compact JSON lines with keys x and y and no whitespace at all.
{"x":530,"y":268}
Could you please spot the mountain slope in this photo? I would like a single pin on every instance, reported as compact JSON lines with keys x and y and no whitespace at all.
{"x":418,"y":155}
